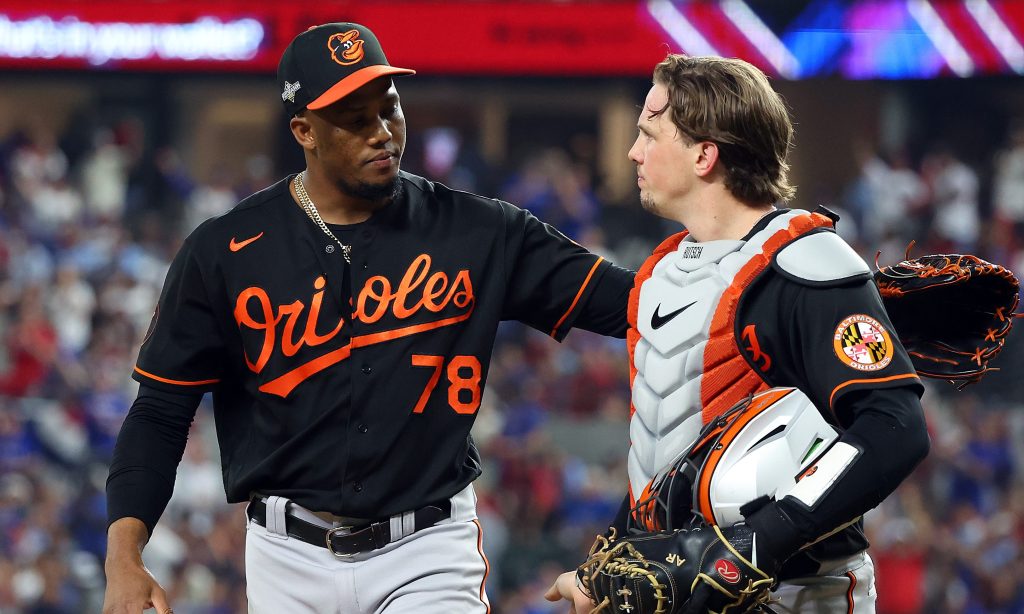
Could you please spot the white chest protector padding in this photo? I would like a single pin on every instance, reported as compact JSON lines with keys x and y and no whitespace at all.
{"x":676,"y":305}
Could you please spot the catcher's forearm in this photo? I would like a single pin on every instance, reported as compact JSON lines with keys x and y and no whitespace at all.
{"x":884,"y":443}
{"x":146,"y":455}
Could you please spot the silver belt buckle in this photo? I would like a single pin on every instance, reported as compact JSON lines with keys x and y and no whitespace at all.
{"x":338,"y":531}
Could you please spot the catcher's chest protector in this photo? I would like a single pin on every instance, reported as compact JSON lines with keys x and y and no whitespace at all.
{"x":683,"y":335}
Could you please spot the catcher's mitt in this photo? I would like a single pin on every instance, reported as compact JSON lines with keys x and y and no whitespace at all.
{"x":952,"y":312}
{"x":703,"y":569}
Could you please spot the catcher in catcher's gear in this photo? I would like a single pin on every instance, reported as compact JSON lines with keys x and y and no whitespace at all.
{"x":750,"y":302}
{"x":708,"y":568}
{"x":710,"y":562}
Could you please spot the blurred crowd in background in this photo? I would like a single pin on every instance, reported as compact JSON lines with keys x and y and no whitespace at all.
{"x":90,"y":218}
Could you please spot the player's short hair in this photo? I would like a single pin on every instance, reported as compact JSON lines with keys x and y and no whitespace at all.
{"x":729,"y":102}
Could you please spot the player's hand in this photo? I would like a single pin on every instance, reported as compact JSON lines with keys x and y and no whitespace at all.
{"x":565,"y":587}
{"x":131,"y":588}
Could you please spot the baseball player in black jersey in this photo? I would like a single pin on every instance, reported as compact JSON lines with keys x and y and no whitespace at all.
{"x":753,"y":298}
{"x":343,"y":320}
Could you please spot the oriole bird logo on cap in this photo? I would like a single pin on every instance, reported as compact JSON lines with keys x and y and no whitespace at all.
{"x":346,"y":47}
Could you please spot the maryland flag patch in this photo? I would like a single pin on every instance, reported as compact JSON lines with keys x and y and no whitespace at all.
{"x":862,"y":343}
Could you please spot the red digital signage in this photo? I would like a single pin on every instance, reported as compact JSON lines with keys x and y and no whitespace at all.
{"x":859,"y":39}
{"x":433,"y":37}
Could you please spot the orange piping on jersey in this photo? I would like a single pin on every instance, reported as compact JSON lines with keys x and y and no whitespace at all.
{"x":727,"y":377}
{"x":175,"y":381}
{"x":487,"y":564}
{"x":832,"y":396}
{"x":707,"y":470}
{"x":646,"y":270}
{"x":577,"y":297}
{"x":849,"y":592}
{"x":284,"y":384}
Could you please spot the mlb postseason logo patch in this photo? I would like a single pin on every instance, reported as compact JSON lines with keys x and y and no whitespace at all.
{"x":862,"y":343}
{"x":289,"y":91}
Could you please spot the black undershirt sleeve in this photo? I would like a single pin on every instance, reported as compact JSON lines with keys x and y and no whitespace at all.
{"x":146,"y":455}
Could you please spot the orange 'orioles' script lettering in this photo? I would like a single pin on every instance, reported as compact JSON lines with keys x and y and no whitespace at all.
{"x":418,"y":289}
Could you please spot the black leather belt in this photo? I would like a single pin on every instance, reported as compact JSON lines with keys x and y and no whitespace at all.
{"x":350,"y":541}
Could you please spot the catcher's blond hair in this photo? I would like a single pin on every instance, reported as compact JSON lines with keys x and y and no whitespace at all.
{"x":730,"y":103}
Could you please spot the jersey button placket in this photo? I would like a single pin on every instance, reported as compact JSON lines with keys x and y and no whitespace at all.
{"x":364,"y":238}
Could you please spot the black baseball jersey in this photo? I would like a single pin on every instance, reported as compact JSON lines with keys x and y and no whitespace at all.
{"x":352,"y":388}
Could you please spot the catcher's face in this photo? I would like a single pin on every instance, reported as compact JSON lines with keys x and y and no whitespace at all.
{"x":662,"y":157}
{"x":359,"y":140}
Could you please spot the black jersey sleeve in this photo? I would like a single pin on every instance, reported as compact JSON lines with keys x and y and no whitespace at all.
{"x":146,"y":454}
{"x":551,"y":279}
{"x":839,"y":340}
{"x":182,"y":351}
{"x":605,"y":311}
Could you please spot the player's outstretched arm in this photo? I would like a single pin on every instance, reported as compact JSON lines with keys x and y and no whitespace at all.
{"x":131,"y":588}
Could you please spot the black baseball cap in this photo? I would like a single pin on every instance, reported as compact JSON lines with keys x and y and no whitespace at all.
{"x":328,"y":62}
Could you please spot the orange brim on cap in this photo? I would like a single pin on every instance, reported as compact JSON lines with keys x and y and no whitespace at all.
{"x":355,"y":81}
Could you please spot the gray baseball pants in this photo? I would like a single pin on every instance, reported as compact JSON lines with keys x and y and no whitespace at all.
{"x":439,"y":569}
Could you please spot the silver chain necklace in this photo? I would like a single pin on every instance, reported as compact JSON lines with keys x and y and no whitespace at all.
{"x":310,"y":209}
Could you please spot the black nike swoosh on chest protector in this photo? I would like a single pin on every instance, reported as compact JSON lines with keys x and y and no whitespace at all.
{"x":658,"y":320}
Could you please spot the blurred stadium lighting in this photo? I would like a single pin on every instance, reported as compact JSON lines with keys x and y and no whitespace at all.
{"x":940,"y":35}
{"x":689,"y":38}
{"x":758,"y":33}
{"x":997,"y":32}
